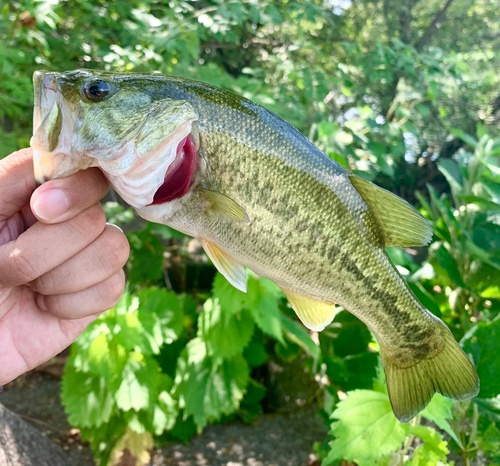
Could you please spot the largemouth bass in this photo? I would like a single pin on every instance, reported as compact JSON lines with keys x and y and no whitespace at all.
{"x":256,"y":193}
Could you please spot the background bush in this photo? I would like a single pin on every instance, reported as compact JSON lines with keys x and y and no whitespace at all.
{"x":404,"y":92}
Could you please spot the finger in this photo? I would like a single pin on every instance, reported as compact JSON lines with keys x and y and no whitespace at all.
{"x":17,"y":182}
{"x":59,"y":200}
{"x":44,"y":247}
{"x":93,"y":300}
{"x":97,"y":262}
{"x":32,"y":337}
{"x":28,"y":217}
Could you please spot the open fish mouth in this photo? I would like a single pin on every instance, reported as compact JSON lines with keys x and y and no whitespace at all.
{"x":179,"y":175}
{"x":151,"y":163}
{"x":160,"y":175}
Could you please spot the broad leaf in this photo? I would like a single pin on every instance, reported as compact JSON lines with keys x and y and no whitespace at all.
{"x":298,"y":334}
{"x":366,"y":428}
{"x":439,"y":411}
{"x":209,"y":388}
{"x":225,"y":334}
{"x":433,"y":451}
{"x":483,"y":344}
{"x":87,"y":399}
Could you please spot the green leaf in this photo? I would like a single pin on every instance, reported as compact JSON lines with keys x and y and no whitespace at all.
{"x":209,"y":388}
{"x":439,"y":411}
{"x":230,"y":299}
{"x":448,"y":263}
{"x":264,"y":306}
{"x":183,"y":429}
{"x":225,"y":334}
{"x":164,"y":414}
{"x":483,"y":344}
{"x":464,"y":137}
{"x":105,"y":357}
{"x":168,"y":308}
{"x":288,"y":351}
{"x":433,"y":451}
{"x":366,"y":428}
{"x":145,"y":265}
{"x":450,"y":170}
{"x":481,"y":254}
{"x":250,"y":407}
{"x":86,"y":398}
{"x":138,"y":381}
{"x":255,"y":354}
{"x":489,"y":441}
{"x":297,"y":334}
{"x":484,"y":204}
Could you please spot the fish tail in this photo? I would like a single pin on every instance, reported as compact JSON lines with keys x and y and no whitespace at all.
{"x":450,"y":373}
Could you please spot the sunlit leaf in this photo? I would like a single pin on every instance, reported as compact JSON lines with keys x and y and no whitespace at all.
{"x":366,"y":428}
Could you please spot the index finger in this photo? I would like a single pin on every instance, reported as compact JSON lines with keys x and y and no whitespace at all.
{"x":17,"y":182}
{"x":59,"y":200}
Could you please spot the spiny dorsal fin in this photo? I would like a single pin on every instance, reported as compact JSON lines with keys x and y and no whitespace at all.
{"x":411,"y":388}
{"x":224,"y":207}
{"x":315,"y":315}
{"x":226,"y":265}
{"x":401,"y":224}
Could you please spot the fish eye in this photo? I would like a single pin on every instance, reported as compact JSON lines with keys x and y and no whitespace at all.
{"x":97,"y":90}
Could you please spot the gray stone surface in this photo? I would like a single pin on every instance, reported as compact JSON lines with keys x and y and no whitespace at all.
{"x":23,"y":445}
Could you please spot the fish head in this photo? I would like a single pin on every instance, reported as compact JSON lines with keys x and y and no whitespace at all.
{"x":136,"y":134}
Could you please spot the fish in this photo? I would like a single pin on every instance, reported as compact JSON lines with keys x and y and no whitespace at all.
{"x":258,"y":194}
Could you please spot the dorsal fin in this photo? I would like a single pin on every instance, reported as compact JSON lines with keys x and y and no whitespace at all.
{"x":400,"y":223}
{"x":226,"y":265}
{"x":315,"y":315}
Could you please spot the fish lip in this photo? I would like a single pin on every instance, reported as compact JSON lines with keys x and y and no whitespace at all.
{"x":53,"y":162}
{"x":43,"y":104}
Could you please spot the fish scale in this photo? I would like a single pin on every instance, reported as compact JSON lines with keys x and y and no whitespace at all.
{"x":265,"y":197}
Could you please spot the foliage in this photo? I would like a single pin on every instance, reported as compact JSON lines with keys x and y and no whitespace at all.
{"x":119,"y":383}
{"x":388,"y":88}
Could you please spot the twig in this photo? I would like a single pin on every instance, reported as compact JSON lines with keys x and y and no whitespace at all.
{"x":34,"y":419}
{"x":433,"y":26}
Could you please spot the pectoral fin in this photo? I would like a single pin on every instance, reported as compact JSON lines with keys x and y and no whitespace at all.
{"x":401,"y":224}
{"x":315,"y":315}
{"x":226,"y":265}
{"x":224,"y":207}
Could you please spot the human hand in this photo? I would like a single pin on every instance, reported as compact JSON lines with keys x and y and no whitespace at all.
{"x":60,"y":263}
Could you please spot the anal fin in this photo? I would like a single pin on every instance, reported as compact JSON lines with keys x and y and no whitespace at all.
{"x":315,"y":315}
{"x":226,"y":265}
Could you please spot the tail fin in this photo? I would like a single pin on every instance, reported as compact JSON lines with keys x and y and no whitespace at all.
{"x":449,"y":373}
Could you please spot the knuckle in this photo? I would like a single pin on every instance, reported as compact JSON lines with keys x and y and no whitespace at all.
{"x":54,"y":305}
{"x":53,"y":282}
{"x":115,"y":246}
{"x":116,"y":288}
{"x":96,"y":215}
{"x":91,"y":222}
{"x":97,"y":182}
{"x":39,"y":285}
{"x":23,"y":268}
